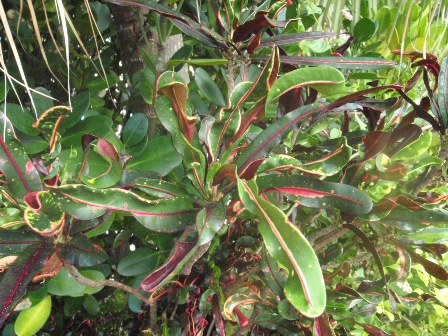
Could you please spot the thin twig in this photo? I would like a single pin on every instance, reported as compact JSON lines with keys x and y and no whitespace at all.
{"x":111,"y":283}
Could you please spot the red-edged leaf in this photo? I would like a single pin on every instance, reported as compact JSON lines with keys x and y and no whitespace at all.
{"x":159,"y":188}
{"x":305,"y":287}
{"x":401,"y":137}
{"x":261,"y":20}
{"x":256,"y":113}
{"x":242,"y":319}
{"x":18,"y":276}
{"x":294,"y":38}
{"x":80,"y":251}
{"x":373,"y":330}
{"x":318,"y":194}
{"x":363,"y":63}
{"x":48,"y":123}
{"x":178,"y":258}
{"x":209,"y":220}
{"x":396,"y":171}
{"x":15,"y":241}
{"x":170,"y":84}
{"x":43,"y":215}
{"x":21,"y":175}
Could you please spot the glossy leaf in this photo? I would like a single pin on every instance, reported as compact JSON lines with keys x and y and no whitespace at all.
{"x":208,"y":87}
{"x":260,"y":21}
{"x":16,"y":279}
{"x":181,"y":254}
{"x":140,"y":261}
{"x":240,"y":299}
{"x":415,"y":149}
{"x":276,"y":322}
{"x":159,"y":188}
{"x":31,"y":320}
{"x":326,"y":80}
{"x":120,"y":200}
{"x":43,"y":215}
{"x":318,"y":194}
{"x":209,"y":221}
{"x":410,"y":220}
{"x":375,"y":142}
{"x":64,"y":284}
{"x":159,"y":156}
{"x":98,"y":125}
{"x":135,"y":129}
{"x":21,"y":175}
{"x":80,"y":251}
{"x":98,"y":170}
{"x":305,"y":287}
{"x":364,"y":29}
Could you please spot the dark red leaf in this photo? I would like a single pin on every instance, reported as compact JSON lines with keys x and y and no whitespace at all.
{"x":374,"y":143}
{"x":374,"y":331}
{"x":107,"y":149}
{"x":343,"y":48}
{"x":158,"y":276}
{"x":394,"y":172}
{"x":18,"y":276}
{"x":87,"y":139}
{"x":322,"y":326}
{"x":261,"y":20}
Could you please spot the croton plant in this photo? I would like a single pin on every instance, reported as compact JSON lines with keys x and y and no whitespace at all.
{"x":307,"y":200}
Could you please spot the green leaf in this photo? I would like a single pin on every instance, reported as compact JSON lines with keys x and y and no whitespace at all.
{"x":80,"y":104}
{"x":64,"y":284}
{"x":159,"y":188}
{"x":305,"y":287}
{"x":20,"y":118}
{"x":98,"y":125}
{"x":41,"y":102}
{"x":364,"y":29}
{"x":158,"y":156}
{"x":120,"y":200}
{"x":410,"y":220}
{"x":318,"y":194}
{"x":140,"y":261}
{"x":91,"y":304}
{"x":209,"y":221}
{"x":326,"y":80}
{"x":208,"y":87}
{"x":415,"y":148}
{"x":293,"y":38}
{"x":20,"y":173}
{"x":179,"y":57}
{"x":92,"y":275}
{"x":32,"y":319}
{"x":100,"y":171}
{"x":135,"y":129}
{"x":430,"y":235}
{"x":103,"y":16}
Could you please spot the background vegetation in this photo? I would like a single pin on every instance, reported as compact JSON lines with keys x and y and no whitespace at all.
{"x":223,"y":167}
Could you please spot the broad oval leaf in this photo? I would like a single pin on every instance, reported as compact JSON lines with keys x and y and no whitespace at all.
{"x":135,"y":129}
{"x":64,"y":284}
{"x":305,"y":287}
{"x":158,"y":156}
{"x":43,"y":215}
{"x":140,"y":261}
{"x":16,"y":241}
{"x":208,"y":87}
{"x":318,"y":194}
{"x":32,"y":319}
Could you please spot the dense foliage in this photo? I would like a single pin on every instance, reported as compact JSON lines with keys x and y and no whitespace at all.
{"x":295,"y":186}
